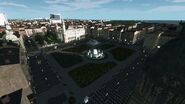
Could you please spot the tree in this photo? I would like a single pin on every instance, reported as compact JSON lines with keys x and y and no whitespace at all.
{"x":39,"y":39}
{"x":51,"y":37}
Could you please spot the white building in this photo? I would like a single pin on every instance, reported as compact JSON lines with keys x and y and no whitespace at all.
{"x":55,"y":19}
{"x":72,"y":34}
{"x":9,"y":32}
{"x":29,"y":32}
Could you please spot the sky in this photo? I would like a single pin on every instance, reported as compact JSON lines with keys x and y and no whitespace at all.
{"x":95,"y":9}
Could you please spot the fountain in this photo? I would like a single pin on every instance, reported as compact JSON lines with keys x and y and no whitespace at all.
{"x":95,"y":54}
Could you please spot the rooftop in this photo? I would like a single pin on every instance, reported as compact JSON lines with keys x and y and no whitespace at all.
{"x":12,"y":79}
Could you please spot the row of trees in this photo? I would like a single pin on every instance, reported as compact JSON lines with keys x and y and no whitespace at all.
{"x":48,"y":38}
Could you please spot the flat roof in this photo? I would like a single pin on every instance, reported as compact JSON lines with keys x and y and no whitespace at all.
{"x":12,"y":79}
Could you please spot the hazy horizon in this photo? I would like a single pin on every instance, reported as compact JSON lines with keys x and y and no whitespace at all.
{"x":96,"y":9}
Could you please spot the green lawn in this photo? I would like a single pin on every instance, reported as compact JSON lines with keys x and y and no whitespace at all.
{"x":78,"y":49}
{"x":105,"y":46}
{"x":86,"y":74}
{"x":67,"y":60}
{"x":121,"y":53}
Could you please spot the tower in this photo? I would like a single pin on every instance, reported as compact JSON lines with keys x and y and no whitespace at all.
{"x":3,"y":20}
{"x":64,"y":31}
{"x":63,"y":26}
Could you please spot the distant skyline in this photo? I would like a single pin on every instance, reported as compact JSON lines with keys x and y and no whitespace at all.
{"x":95,"y":9}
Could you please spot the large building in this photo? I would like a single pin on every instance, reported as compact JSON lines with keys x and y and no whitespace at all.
{"x":14,"y":84}
{"x":73,"y":33}
{"x":14,"y":88}
{"x":55,"y":19}
{"x":67,"y":34}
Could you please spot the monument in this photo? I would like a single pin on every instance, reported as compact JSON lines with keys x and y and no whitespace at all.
{"x":95,"y":54}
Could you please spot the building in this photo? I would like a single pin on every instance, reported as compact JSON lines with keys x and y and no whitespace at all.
{"x":71,"y":33}
{"x":29,"y":32}
{"x":14,"y":88}
{"x":14,"y":85}
{"x":55,"y":19}
{"x":74,"y":33}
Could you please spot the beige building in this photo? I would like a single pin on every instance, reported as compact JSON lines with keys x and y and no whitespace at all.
{"x":72,"y":34}
{"x":29,"y":32}
{"x":13,"y":80}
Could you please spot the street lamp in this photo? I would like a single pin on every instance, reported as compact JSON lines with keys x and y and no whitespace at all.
{"x":107,"y":94}
{"x":158,"y":47}
{"x":117,"y":83}
{"x":86,"y":99}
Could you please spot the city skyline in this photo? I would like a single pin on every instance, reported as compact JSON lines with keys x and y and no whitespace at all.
{"x":64,"y":60}
{"x":96,"y":9}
